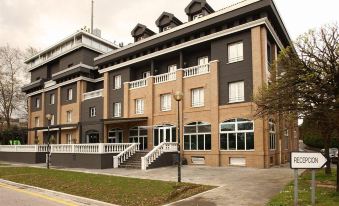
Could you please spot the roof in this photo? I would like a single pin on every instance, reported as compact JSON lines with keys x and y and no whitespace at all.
{"x":203,"y":3}
{"x":143,"y":28}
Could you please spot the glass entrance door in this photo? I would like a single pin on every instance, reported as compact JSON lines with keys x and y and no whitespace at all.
{"x":92,"y":137}
{"x":115,"y":136}
{"x":164,"y":133}
{"x":138,"y":135}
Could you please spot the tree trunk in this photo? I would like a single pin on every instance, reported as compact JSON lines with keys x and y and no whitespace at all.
{"x":327,"y":141}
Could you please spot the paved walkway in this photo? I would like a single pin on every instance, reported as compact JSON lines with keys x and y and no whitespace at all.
{"x":237,"y":186}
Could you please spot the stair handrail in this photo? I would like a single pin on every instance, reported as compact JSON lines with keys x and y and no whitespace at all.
{"x":156,"y":152}
{"x":124,"y":155}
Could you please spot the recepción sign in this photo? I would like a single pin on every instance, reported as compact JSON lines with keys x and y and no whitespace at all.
{"x":307,"y":160}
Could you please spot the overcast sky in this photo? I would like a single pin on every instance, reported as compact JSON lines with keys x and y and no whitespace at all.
{"x":40,"y":23}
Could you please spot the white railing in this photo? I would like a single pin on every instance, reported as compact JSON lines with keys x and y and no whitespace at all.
{"x":156,"y":152}
{"x":93,"y":94}
{"x":23,"y":148}
{"x":137,"y":84}
{"x":197,"y":70}
{"x":124,"y":155}
{"x":171,"y":76}
{"x":98,"y":148}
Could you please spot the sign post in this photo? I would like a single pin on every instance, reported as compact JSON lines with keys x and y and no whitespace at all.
{"x":306,"y":160}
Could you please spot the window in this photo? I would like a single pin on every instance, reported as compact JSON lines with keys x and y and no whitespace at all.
{"x":140,"y":38}
{"x":235,"y":52}
{"x":52,"y":120}
{"x":69,"y":116}
{"x":138,"y":135}
{"x":51,"y":98}
{"x":37,"y":121}
{"x":69,"y":94}
{"x":117,"y":82}
{"x":166,"y":28}
{"x":197,"y":16}
{"x":117,"y":109}
{"x":203,"y":60}
{"x":37,"y":103}
{"x":92,"y":112}
{"x":272,"y":134}
{"x":197,"y":136}
{"x":146,"y":74}
{"x":236,"y":92}
{"x":139,"y":106}
{"x":69,"y":139}
{"x":237,"y":134}
{"x":172,"y":68}
{"x":165,"y":100}
{"x":197,"y":97}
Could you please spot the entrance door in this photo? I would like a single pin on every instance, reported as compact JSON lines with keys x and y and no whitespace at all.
{"x":93,"y":138}
{"x":138,"y":135}
{"x":164,"y":133}
{"x":115,"y":136}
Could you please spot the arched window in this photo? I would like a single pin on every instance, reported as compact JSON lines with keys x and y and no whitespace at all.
{"x":237,"y":134}
{"x":115,"y":135}
{"x":197,"y":136}
{"x":138,"y":135}
{"x":272,"y":134}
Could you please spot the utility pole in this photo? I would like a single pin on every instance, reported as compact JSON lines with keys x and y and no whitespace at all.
{"x":92,"y":17}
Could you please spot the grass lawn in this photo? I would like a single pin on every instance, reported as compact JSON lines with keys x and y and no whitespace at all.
{"x":112,"y":189}
{"x":325,"y":190}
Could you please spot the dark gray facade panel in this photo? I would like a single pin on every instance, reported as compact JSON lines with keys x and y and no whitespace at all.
{"x":85,"y":109}
{"x":88,"y":161}
{"x":81,"y":55}
{"x":117,"y":95}
{"x":51,"y":108}
{"x":192,"y":54}
{"x":91,"y":86}
{"x":33,"y":103}
{"x":39,"y":73}
{"x":23,"y":157}
{"x":53,"y":67}
{"x":87,"y":127}
{"x":63,"y":95}
{"x":161,"y":66}
{"x":233,"y":72}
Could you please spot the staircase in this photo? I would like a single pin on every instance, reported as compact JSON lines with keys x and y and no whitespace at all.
{"x":134,"y":162}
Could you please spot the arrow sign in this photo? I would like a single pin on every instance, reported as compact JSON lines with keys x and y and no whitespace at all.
{"x":307,"y":160}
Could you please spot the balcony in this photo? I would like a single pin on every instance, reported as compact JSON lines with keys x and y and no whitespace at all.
{"x":171,"y":76}
{"x":197,"y":70}
{"x":138,"y":84}
{"x":93,"y":94}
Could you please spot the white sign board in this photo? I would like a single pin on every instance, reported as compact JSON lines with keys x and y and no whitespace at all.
{"x":307,"y":160}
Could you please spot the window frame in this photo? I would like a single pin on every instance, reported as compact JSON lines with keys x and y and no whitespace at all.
{"x":167,"y":99}
{"x":117,"y":112}
{"x":52,"y":99}
{"x":197,"y":134}
{"x":146,"y":74}
{"x":92,"y":112}
{"x":203,"y":58}
{"x":237,"y":97}
{"x":69,"y":116}
{"x":69,"y":94}
{"x":200,"y":102}
{"x":170,"y":68}
{"x":69,"y":138}
{"x":238,"y":57}
{"x":117,"y":82}
{"x":197,"y":16}
{"x":139,"y":106}
{"x":272,"y":135}
{"x":37,"y":103}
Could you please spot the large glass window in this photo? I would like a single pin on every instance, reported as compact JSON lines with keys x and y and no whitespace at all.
{"x":115,"y":135}
{"x":164,"y":133}
{"x":272,"y":134}
{"x":237,"y":134}
{"x":117,"y":109}
{"x":235,"y":52}
{"x":138,"y":135}
{"x":197,"y":136}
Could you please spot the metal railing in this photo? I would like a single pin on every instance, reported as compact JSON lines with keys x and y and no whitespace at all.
{"x":156,"y":152}
{"x":93,"y":94}
{"x":170,"y":76}
{"x":124,"y":155}
{"x":197,"y":70}
{"x":137,"y":84}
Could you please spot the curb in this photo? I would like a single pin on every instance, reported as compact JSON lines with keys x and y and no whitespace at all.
{"x":39,"y":189}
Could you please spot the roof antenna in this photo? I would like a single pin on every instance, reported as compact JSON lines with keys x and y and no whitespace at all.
{"x":92,"y":17}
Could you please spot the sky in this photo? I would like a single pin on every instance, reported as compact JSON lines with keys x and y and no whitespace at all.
{"x":41,"y":23}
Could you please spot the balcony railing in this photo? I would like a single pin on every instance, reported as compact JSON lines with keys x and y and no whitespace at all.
{"x":171,"y":76}
{"x":23,"y":148}
{"x":138,"y":83}
{"x":93,"y":94}
{"x":197,"y":70}
{"x":98,"y":148}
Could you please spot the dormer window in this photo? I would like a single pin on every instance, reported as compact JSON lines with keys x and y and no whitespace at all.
{"x":166,"y":28}
{"x":140,"y":38}
{"x":197,"y":16}
{"x":141,"y":32}
{"x":167,"y":21}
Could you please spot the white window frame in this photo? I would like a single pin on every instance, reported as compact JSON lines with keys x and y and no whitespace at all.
{"x":37,"y":121}
{"x":203,"y":60}
{"x":139,"y":106}
{"x":236,"y":92}
{"x":92,"y":112}
{"x":272,"y":135}
{"x":69,"y":94}
{"x":197,"y":134}
{"x":172,"y":68}
{"x":52,"y":99}
{"x":146,"y":74}
{"x":166,"y":102}
{"x":166,"y":28}
{"x":117,"y":82}
{"x":117,"y":109}
{"x":198,"y":97}
{"x":236,"y":123}
{"x":37,"y":102}
{"x":197,"y":16}
{"x":235,"y":52}
{"x":68,"y":116}
{"x":69,"y":138}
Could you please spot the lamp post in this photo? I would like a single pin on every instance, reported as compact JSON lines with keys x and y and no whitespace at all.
{"x":48,"y":117}
{"x":178,"y":95}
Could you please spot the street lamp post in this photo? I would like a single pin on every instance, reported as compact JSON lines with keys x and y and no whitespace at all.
{"x":178,"y":97}
{"x":48,"y":117}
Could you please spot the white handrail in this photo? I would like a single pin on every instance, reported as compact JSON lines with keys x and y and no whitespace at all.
{"x":170,"y":76}
{"x":93,"y":94}
{"x":197,"y":70}
{"x":23,"y":148}
{"x":156,"y":152}
{"x":124,"y":155}
{"x":137,"y":84}
{"x":96,"y":148}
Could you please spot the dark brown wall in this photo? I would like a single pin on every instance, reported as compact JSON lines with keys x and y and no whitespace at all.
{"x":33,"y":100}
{"x":117,"y":95}
{"x":51,"y":108}
{"x":94,"y":86}
{"x":24,"y":157}
{"x":85,"y":105}
{"x":192,"y":55}
{"x":64,"y":94}
{"x":238,"y":71}
{"x":161,"y":65}
{"x":82,"y":55}
{"x":40,"y":73}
